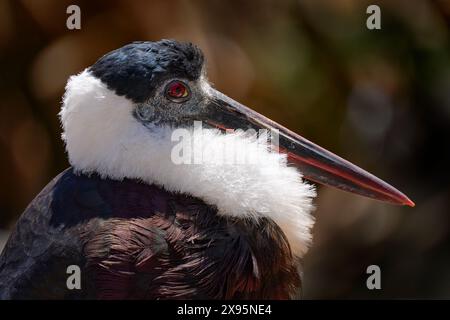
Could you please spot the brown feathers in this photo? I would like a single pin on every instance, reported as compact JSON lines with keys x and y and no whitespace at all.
{"x":137,"y":241}
{"x":191,"y":253}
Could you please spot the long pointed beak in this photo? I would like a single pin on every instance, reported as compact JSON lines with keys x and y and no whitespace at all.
{"x":315,"y":163}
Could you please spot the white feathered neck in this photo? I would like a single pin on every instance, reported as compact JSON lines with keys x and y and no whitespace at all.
{"x":101,"y":135}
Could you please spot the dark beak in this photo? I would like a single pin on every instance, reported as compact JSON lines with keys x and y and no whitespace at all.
{"x":315,"y":163}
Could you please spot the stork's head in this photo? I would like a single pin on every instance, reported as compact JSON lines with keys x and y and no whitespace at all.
{"x":117,"y":118}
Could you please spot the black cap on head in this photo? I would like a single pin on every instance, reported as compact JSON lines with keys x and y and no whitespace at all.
{"x":135,"y":70}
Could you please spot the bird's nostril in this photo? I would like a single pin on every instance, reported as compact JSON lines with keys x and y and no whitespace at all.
{"x":144,"y":112}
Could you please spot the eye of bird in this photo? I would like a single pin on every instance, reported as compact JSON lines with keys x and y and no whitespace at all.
{"x":177,"y":91}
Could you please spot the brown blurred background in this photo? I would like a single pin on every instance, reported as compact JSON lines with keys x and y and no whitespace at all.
{"x":379,"y":98}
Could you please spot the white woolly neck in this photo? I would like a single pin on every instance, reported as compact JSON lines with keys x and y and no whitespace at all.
{"x":102,"y":136}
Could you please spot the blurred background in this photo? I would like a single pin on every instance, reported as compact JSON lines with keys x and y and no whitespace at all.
{"x":380,"y":98}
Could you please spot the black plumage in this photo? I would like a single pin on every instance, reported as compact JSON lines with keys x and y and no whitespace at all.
{"x":134,"y":240}
{"x":135,"y":70}
{"x":137,"y":241}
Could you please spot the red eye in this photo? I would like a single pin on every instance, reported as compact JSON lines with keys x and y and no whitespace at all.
{"x":177,"y":91}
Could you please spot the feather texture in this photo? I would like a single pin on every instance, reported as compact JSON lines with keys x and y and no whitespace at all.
{"x":102,"y":136}
{"x":137,"y":241}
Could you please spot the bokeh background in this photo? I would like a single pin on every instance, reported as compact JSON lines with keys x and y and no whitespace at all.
{"x":379,"y":98}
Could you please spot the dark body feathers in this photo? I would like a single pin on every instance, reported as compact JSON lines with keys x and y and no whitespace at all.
{"x":138,"y":241}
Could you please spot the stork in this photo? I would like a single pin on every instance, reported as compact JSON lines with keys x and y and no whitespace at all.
{"x":141,"y":226}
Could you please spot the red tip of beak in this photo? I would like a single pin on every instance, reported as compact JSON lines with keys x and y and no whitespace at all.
{"x":314,"y":162}
{"x":408,"y":202}
{"x":348,"y":177}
